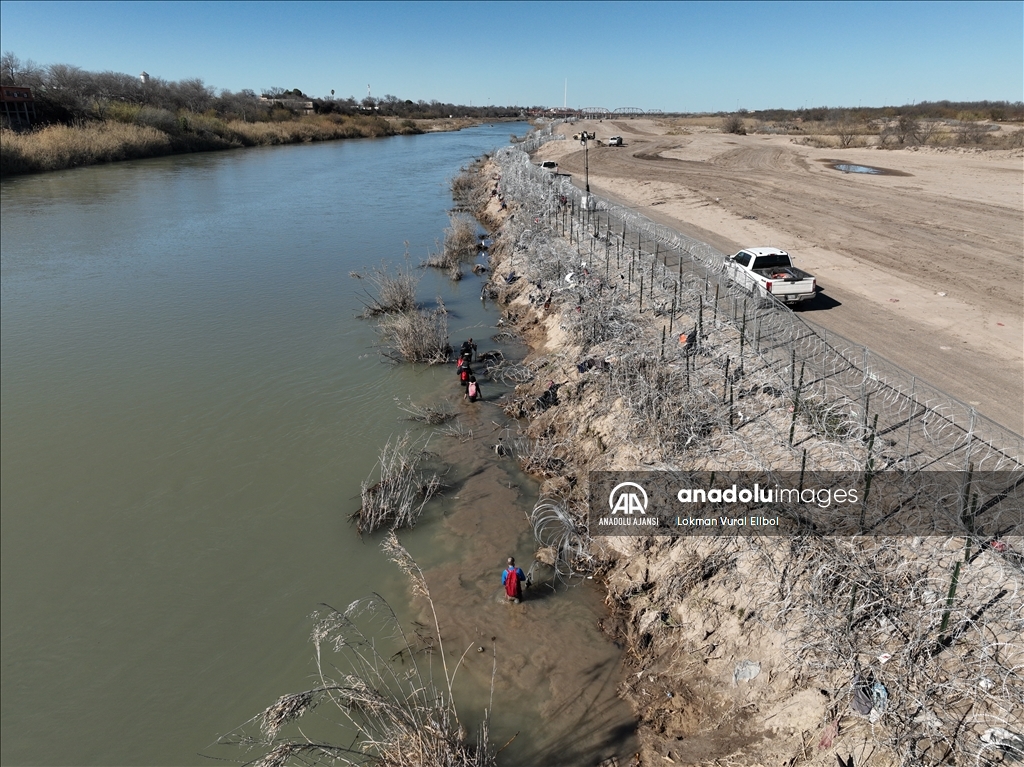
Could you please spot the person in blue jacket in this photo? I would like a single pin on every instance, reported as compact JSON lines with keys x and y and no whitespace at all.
{"x":513,"y":578}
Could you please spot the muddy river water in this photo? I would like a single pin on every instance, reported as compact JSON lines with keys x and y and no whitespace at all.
{"x":188,"y":406}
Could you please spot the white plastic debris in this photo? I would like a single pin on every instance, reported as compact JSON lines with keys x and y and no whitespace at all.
{"x":745,"y":671}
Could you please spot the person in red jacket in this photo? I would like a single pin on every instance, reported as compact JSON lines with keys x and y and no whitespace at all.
{"x":513,"y":578}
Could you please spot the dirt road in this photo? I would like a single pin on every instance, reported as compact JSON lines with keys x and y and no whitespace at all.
{"x":923,"y":263}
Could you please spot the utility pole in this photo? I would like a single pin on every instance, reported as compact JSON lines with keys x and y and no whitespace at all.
{"x":587,"y":201}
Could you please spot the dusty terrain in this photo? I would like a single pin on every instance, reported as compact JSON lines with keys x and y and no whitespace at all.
{"x":924,"y":264}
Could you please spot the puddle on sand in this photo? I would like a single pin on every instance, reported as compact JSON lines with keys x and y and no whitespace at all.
{"x":846,"y":167}
{"x":555,"y":673}
{"x":871,"y":170}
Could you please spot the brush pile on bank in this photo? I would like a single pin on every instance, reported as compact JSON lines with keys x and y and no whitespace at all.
{"x":403,"y":487}
{"x":461,"y":246}
{"x":408,"y":332}
{"x":897,"y":650}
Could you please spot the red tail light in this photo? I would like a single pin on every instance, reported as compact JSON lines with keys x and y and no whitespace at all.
{"x":768,"y":287}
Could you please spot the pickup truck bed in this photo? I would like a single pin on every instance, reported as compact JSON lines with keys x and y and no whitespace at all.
{"x":787,"y":273}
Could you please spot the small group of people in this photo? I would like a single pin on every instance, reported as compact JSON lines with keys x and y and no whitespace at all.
{"x":465,"y":371}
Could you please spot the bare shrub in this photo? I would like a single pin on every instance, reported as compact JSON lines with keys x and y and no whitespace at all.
{"x":602,"y":318}
{"x":927,"y":130}
{"x":395,"y":292}
{"x":846,"y":129}
{"x":460,"y":240}
{"x":540,"y":457}
{"x":469,"y":187}
{"x":969,"y":132}
{"x":671,"y":411}
{"x":734,"y":124}
{"x":416,"y":336}
{"x":393,"y":708}
{"x":397,"y":498}
{"x":434,"y":415}
{"x":907,"y":129}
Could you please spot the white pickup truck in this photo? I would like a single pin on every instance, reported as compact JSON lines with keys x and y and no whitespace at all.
{"x":769,"y":271}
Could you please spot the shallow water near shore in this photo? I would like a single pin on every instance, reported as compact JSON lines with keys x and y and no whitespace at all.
{"x":188,"y":407}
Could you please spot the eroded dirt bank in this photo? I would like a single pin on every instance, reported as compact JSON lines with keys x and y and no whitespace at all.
{"x":745,"y":651}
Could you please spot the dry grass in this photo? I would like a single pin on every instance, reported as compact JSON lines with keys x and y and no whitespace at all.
{"x":60,"y":146}
{"x":147,"y":132}
{"x":416,"y":336}
{"x":460,"y":246}
{"x":392,"y":292}
{"x":434,"y":415}
{"x":404,"y":486}
{"x":382,"y":687}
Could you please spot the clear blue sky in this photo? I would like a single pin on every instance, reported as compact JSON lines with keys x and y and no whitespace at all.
{"x":689,"y":57}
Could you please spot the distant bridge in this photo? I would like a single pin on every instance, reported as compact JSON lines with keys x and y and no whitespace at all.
{"x":600,"y":113}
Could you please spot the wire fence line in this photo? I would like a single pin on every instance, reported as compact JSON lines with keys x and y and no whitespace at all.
{"x":855,"y":392}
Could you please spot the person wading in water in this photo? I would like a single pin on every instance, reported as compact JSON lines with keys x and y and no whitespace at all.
{"x":512,"y":578}
{"x":472,"y":390}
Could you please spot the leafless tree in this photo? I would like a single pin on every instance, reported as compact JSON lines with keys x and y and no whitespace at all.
{"x":907,"y":129}
{"x":845,"y":126}
{"x":14,"y":71}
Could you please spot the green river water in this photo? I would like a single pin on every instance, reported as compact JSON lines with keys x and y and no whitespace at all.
{"x":189,"y":404}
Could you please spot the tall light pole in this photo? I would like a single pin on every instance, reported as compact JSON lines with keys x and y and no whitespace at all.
{"x":588,"y":201}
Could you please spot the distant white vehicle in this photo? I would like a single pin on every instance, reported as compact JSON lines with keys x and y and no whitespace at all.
{"x":615,"y":141}
{"x":550,"y":165}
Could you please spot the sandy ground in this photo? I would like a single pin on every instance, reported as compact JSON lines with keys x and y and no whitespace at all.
{"x":924,"y":265}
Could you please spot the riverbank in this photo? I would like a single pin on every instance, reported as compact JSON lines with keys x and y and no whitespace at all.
{"x":59,"y":147}
{"x":740,"y":649}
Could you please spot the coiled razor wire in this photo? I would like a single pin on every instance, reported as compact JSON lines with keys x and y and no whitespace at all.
{"x":555,"y":528}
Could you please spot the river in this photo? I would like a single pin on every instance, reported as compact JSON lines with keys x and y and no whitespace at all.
{"x":188,"y":404}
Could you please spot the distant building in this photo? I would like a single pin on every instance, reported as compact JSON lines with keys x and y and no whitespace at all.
{"x":302,"y":106}
{"x":144,"y":77}
{"x":19,"y":106}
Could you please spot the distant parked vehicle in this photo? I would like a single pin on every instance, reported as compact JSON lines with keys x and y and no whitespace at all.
{"x":550,"y":165}
{"x":615,"y":141}
{"x":769,"y":271}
